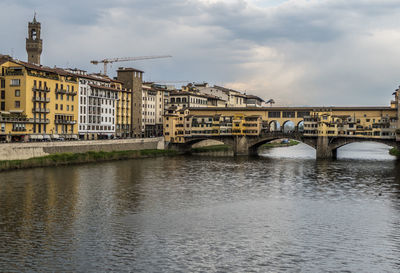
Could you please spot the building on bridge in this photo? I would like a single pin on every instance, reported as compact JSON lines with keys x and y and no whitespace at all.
{"x":325,"y":129}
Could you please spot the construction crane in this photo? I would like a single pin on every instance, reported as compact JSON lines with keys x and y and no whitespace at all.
{"x":126,"y":59}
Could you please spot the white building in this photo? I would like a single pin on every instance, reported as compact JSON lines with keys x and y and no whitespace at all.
{"x":232,"y":97}
{"x":97,"y":106}
{"x":148,"y":110}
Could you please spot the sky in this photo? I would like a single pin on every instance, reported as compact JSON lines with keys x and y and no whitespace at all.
{"x":297,"y":52}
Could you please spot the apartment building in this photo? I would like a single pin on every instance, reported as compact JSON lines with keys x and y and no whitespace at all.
{"x":40,"y":100}
{"x":132,"y":79}
{"x":232,"y":98}
{"x":157,"y":96}
{"x":103,"y":107}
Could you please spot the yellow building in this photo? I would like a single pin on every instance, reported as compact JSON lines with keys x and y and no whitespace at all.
{"x":40,"y":100}
{"x":361,"y":122}
{"x":123,"y":110}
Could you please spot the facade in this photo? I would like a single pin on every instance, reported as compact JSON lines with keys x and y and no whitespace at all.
{"x":162,"y":99}
{"x":183,"y":99}
{"x":253,"y":101}
{"x":353,"y":122}
{"x":149,"y":99}
{"x":132,"y":80}
{"x":155,"y":97}
{"x":329,"y":123}
{"x":103,"y":107}
{"x":232,"y":98}
{"x":40,"y":99}
{"x":34,"y":42}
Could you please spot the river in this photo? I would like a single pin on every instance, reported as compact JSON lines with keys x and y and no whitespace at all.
{"x":280,"y":212}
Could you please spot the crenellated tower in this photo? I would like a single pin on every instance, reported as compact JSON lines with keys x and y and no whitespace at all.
{"x":34,"y":42}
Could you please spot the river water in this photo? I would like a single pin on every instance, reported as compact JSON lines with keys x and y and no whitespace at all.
{"x":280,"y":212}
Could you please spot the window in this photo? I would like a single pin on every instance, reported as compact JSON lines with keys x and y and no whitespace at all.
{"x":3,"y":94}
{"x":61,"y":106}
{"x":3,"y":83}
{"x":72,"y":108}
{"x":274,"y":114}
{"x":3,"y":106}
{"x":56,"y":106}
{"x":17,"y":104}
{"x":15,"y":82}
{"x":67,"y":107}
{"x":17,"y":93}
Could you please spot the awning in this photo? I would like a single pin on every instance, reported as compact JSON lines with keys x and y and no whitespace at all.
{"x":36,"y":137}
{"x":54,"y":136}
{"x":16,"y":111}
{"x":46,"y":137}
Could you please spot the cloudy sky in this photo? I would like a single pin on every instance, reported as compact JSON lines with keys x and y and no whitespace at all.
{"x":298,"y":52}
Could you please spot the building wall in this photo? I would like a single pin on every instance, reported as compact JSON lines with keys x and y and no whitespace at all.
{"x":47,"y":99}
{"x":20,"y":151}
{"x":132,"y":79}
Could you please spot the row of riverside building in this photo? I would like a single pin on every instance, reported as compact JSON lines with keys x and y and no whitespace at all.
{"x":43,"y":103}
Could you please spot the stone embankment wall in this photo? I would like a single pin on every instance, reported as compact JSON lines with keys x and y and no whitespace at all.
{"x":19,"y":151}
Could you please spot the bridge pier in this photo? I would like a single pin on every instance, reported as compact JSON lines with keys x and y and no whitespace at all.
{"x":240,"y":145}
{"x":323,"y":149}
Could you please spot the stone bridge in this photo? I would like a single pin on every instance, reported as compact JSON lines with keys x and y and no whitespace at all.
{"x":326,"y":147}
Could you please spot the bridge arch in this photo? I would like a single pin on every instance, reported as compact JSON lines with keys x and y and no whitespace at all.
{"x":253,"y":147}
{"x":300,"y":126}
{"x":274,"y":126}
{"x":345,"y":141}
{"x":288,"y":126}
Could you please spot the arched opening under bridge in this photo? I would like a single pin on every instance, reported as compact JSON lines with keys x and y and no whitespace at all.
{"x":278,"y":147}
{"x":367,"y":150}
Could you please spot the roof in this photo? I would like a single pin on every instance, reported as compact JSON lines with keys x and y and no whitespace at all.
{"x":254,"y":97}
{"x":32,"y":66}
{"x":227,"y":90}
{"x":129,"y":69}
{"x":106,"y":88}
{"x":301,"y":108}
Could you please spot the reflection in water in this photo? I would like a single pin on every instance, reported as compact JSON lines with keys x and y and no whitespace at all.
{"x":283,"y":211}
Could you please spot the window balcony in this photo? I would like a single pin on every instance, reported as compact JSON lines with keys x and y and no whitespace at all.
{"x":61,"y":91}
{"x":41,"y":89}
{"x":63,"y":121}
{"x":40,"y":99}
{"x":40,"y":121}
{"x":19,"y":129}
{"x":41,"y":110}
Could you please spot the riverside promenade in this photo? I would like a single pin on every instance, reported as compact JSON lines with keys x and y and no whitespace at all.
{"x":20,"y":151}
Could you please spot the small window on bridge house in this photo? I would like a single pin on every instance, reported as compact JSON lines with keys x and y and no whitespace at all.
{"x":302,"y":114}
{"x":274,"y":114}
{"x":288,"y":114}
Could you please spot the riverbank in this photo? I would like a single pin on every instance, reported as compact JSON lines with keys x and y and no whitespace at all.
{"x":394,"y":152}
{"x":220,"y":150}
{"x":279,"y":144}
{"x":63,"y":159}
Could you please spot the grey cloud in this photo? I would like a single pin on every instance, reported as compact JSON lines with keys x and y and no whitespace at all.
{"x":299,"y":52}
